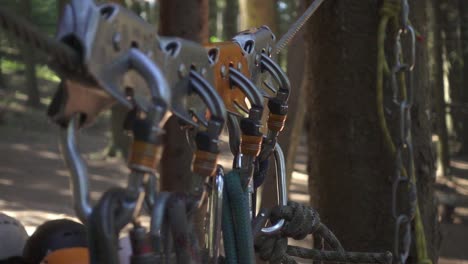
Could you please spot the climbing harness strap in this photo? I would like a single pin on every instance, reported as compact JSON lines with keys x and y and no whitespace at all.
{"x":396,"y":12}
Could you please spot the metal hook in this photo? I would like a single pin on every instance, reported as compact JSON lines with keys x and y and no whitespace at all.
{"x":210,"y":97}
{"x":234,"y":134}
{"x":282,"y":191}
{"x":278,"y":75}
{"x":159,"y":89}
{"x":247,"y":86}
{"x":158,"y":213}
{"x":79,"y":172}
{"x":215,"y":209}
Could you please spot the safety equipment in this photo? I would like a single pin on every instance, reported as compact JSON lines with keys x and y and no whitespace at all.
{"x":53,"y":236}
{"x":13,"y":237}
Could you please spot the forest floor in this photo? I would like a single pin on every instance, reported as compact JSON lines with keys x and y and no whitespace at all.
{"x":34,"y":180}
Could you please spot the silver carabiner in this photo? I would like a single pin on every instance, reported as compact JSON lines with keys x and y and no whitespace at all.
{"x":215,"y":208}
{"x":247,"y":87}
{"x":79,"y":172}
{"x":275,"y":71}
{"x":282,"y":189}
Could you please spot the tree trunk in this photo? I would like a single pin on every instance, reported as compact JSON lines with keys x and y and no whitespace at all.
{"x":255,"y":13}
{"x":439,"y":90}
{"x":185,"y":19}
{"x":230,"y":19}
{"x":463,"y":9}
{"x":213,"y":18}
{"x":188,"y":20}
{"x":350,"y":169}
{"x":424,"y":157}
{"x":290,"y":137}
{"x":451,"y":26}
{"x":30,"y":65}
{"x":60,"y":7}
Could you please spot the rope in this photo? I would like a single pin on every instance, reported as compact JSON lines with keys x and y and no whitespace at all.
{"x":389,"y":13}
{"x":229,"y":236}
{"x":240,"y":220}
{"x":302,"y":220}
{"x":67,"y":58}
{"x":333,"y":256}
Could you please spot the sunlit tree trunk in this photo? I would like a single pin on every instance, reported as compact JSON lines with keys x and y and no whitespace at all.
{"x":30,"y":65}
{"x":213,"y":17}
{"x":291,"y":135}
{"x":255,"y":13}
{"x":350,"y":167}
{"x":463,"y":8}
{"x":450,"y":25}
{"x":439,"y":89}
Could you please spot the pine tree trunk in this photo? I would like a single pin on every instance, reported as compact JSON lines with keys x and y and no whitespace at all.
{"x":424,"y":155}
{"x":230,"y":19}
{"x":350,"y":169}
{"x":213,"y":18}
{"x":291,"y":135}
{"x":439,"y":90}
{"x":188,"y":20}
{"x":463,"y":8}
{"x":451,"y":27}
{"x":30,"y":65}
{"x":255,"y":13}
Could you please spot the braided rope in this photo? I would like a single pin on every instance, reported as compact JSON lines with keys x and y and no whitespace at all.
{"x":23,"y":31}
{"x":302,"y":220}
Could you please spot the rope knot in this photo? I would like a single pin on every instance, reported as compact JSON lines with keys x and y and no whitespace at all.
{"x":272,"y":248}
{"x":300,"y":220}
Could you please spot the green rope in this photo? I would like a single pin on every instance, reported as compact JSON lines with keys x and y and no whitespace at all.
{"x":229,"y":237}
{"x":389,"y":13}
{"x":240,"y":220}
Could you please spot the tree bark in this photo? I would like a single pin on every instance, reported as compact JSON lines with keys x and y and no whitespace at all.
{"x":213,"y":18}
{"x":451,"y":27}
{"x":230,"y":19}
{"x":255,"y":13}
{"x":185,"y":19}
{"x":350,"y":168}
{"x":463,"y":9}
{"x":188,"y":20}
{"x":439,"y":90}
{"x":291,"y":135}
{"x":424,"y":155}
{"x":60,"y":7}
{"x":30,"y":65}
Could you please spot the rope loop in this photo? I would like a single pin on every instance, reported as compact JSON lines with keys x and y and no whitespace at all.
{"x":301,"y":220}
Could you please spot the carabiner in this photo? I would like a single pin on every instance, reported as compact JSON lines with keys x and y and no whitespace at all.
{"x":79,"y":182}
{"x":215,"y":208}
{"x":282,"y":189}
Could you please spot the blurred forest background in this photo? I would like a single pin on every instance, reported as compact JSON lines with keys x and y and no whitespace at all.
{"x":331,"y":65}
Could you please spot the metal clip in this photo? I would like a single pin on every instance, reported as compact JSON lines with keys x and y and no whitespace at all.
{"x":114,"y":41}
{"x":247,"y":87}
{"x":79,"y":172}
{"x":280,"y":77}
{"x":215,"y":208}
{"x":282,"y":189}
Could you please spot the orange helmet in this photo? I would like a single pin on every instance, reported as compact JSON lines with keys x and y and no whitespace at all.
{"x":53,"y":240}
